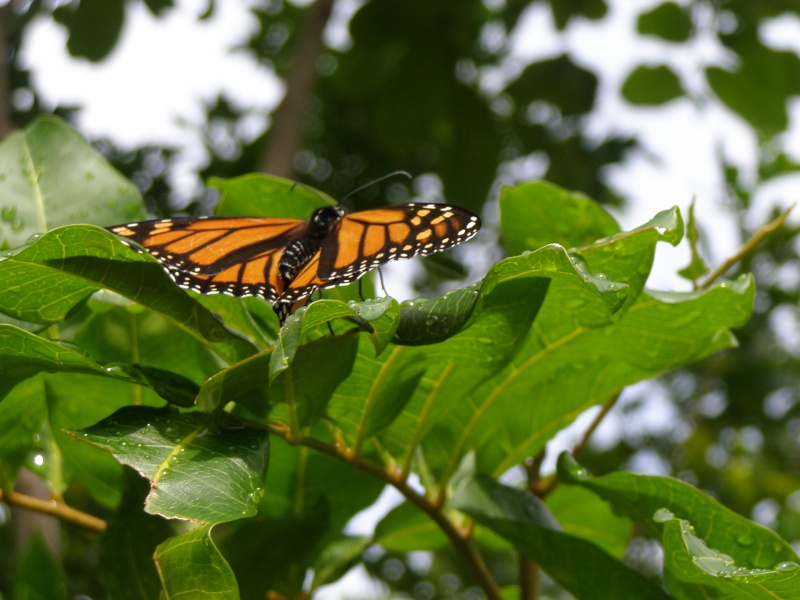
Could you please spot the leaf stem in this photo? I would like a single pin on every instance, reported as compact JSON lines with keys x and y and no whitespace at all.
{"x":54,"y":508}
{"x":747,"y":247}
{"x":460,"y":538}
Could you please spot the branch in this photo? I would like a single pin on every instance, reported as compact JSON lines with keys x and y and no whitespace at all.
{"x":460,"y":539}
{"x":748,"y":247}
{"x":6,"y":124}
{"x":56,"y":509}
{"x":289,"y":118}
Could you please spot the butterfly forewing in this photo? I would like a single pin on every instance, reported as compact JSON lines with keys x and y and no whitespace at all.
{"x":226,"y":255}
{"x":371,"y":238}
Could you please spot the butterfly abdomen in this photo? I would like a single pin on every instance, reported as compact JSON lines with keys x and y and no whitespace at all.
{"x":298,"y":252}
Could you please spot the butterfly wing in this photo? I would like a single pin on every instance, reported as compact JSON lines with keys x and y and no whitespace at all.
{"x":367,"y":239}
{"x":219,"y":255}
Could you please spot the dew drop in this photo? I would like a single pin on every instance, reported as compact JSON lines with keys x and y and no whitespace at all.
{"x":745,"y":540}
{"x":32,"y":238}
{"x":17,"y":225}
{"x":787,"y":566}
{"x":173,"y":460}
{"x":166,"y":472}
{"x":662,"y":515}
{"x":8,"y":213}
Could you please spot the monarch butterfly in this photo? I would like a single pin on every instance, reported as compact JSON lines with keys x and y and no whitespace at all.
{"x":285,"y":260}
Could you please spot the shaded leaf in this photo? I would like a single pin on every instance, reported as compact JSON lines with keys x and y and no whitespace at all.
{"x":46,"y":280}
{"x":574,"y":94}
{"x":39,"y":574}
{"x":406,"y":528}
{"x":668,"y":21}
{"x":652,"y":86}
{"x":22,"y":413}
{"x":127,"y":547}
{"x":330,"y":359}
{"x":94,"y":26}
{"x":574,"y":563}
{"x":23,"y":355}
{"x":563,"y":12}
{"x":190,"y":565}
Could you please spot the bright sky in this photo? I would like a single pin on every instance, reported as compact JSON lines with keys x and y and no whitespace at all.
{"x":163,"y":69}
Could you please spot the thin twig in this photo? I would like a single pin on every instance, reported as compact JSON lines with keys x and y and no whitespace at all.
{"x":56,"y":509}
{"x":576,"y":451}
{"x":459,"y":538}
{"x":748,"y":246}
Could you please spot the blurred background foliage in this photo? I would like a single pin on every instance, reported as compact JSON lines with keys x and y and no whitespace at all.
{"x":431,"y":88}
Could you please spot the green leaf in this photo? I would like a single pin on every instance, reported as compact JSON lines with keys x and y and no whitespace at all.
{"x":640,"y":497}
{"x":39,"y":574}
{"x":697,"y":266}
{"x":693,"y":570}
{"x":199,"y":470}
{"x":652,"y":86}
{"x":191,"y":566}
{"x":575,"y":564}
{"x":127,"y":547}
{"x":50,"y":176}
{"x":761,"y":86}
{"x":257,"y":195}
{"x":46,"y":280}
{"x":539,"y":213}
{"x":668,"y":21}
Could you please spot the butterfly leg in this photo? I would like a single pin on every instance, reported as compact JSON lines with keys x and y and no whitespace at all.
{"x":383,"y":286}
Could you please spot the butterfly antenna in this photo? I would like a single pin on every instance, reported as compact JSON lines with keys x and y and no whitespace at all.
{"x":312,"y":190}
{"x":378,"y":180}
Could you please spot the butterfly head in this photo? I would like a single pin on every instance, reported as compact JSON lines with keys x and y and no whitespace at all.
{"x":323,"y":219}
